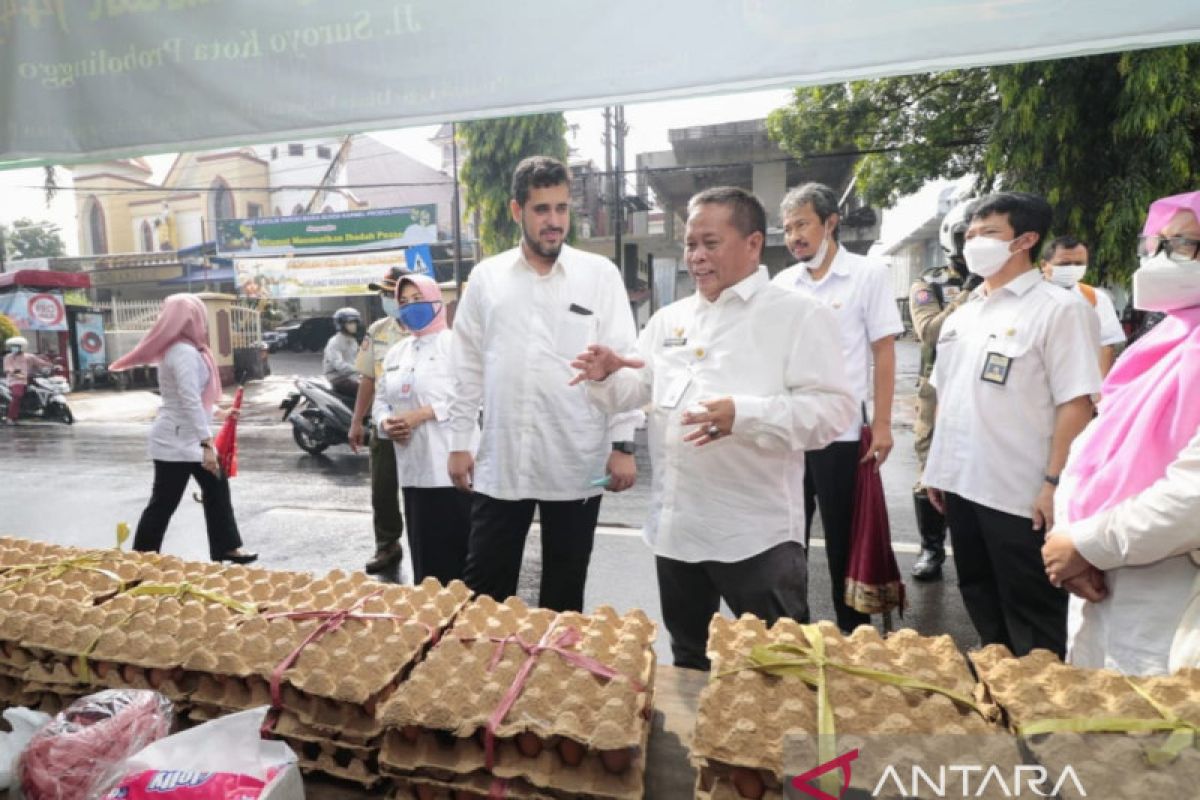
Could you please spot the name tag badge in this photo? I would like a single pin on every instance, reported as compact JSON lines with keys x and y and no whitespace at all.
{"x":406,"y":385}
{"x":676,"y":391}
{"x":674,"y":341}
{"x":995,"y":369}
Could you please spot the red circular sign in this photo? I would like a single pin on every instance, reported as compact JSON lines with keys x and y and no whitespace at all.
{"x":46,"y":309}
{"x":91,"y":342}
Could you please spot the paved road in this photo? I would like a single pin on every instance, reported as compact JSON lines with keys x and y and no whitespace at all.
{"x":74,"y":484}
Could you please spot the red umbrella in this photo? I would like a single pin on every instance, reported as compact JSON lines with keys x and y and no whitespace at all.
{"x":226,"y":441}
{"x":873,"y":584}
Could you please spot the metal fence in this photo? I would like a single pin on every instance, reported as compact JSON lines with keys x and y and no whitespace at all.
{"x":246,"y":326}
{"x":134,"y":315}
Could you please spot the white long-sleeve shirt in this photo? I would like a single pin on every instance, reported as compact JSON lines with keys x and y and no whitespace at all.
{"x":341,"y":351}
{"x":416,"y":373}
{"x":776,"y":353}
{"x":515,"y":335}
{"x":1143,"y":545}
{"x":182,"y":421}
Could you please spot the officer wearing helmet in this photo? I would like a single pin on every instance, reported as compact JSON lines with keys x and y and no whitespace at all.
{"x":341,"y":351}
{"x":934,"y":297}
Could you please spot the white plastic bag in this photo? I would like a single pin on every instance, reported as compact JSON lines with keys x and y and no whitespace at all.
{"x":23,"y":721}
{"x":223,"y":758}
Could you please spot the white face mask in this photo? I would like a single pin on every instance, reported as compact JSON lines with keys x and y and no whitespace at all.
{"x":1067,"y":275}
{"x":389,"y":306}
{"x":1162,"y":284}
{"x":815,"y":261}
{"x":986,"y":256}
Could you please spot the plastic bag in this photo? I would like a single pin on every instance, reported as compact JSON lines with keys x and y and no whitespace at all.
{"x":24,"y":722}
{"x":67,"y":757}
{"x":223,"y":759}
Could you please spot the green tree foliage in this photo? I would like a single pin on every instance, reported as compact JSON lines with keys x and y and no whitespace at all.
{"x":29,"y":239}
{"x":494,"y":148}
{"x":1099,"y":136}
{"x":8,"y":329}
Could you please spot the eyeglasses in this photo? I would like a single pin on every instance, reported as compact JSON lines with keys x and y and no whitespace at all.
{"x":1178,"y":248}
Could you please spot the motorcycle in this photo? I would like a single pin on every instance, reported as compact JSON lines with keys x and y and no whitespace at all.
{"x":44,"y":398}
{"x":320,"y":416}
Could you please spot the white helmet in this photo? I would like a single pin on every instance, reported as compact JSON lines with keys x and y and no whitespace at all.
{"x":16,"y":341}
{"x":953,"y":231}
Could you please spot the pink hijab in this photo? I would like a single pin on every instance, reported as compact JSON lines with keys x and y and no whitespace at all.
{"x":1150,"y":403}
{"x":431,"y":293}
{"x":183,"y":318}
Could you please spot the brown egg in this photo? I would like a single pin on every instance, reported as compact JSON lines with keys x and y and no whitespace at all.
{"x":617,"y":761}
{"x":529,"y":743}
{"x":748,"y":783}
{"x":411,"y":732}
{"x":102,"y":668}
{"x":130,"y":674}
{"x":571,"y":751}
{"x":423,"y":792}
{"x":157,"y":677}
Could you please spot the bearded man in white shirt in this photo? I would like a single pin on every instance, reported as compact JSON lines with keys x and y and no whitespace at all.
{"x":859,"y":292}
{"x":525,"y":315}
{"x":743,"y":377}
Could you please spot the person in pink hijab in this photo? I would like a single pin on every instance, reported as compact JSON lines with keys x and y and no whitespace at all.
{"x":1127,"y":544}
{"x":412,"y":408}
{"x":181,"y":442}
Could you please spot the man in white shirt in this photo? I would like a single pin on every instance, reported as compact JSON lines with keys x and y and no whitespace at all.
{"x":1013,"y":392}
{"x":743,"y":378}
{"x":526,"y":313}
{"x":858,"y":291}
{"x":1064,"y":263}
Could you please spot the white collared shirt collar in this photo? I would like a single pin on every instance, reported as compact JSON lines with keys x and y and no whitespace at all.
{"x":744,"y":289}
{"x":1020,"y":285}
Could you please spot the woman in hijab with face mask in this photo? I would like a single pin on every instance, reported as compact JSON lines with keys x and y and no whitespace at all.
{"x":181,"y":442}
{"x":412,"y":403}
{"x":1128,"y":545}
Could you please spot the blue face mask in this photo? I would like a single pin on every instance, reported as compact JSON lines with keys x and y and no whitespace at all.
{"x":389,"y":306}
{"x":417,"y":316}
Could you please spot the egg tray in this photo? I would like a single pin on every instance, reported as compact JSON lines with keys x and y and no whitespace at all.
{"x":745,"y":714}
{"x":1040,"y":687}
{"x":1109,"y":765}
{"x":338,"y":762}
{"x":438,"y":717}
{"x":711,"y":787}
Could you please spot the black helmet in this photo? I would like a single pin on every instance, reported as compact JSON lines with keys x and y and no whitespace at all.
{"x":344,"y":316}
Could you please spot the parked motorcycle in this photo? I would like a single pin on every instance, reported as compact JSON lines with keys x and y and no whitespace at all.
{"x":44,"y":398}
{"x":320,"y":416}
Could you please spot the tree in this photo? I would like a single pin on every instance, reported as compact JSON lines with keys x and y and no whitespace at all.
{"x":494,"y":148}
{"x":29,"y":239}
{"x":1099,"y":136}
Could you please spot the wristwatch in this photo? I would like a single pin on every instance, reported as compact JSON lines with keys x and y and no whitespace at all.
{"x":628,"y":448}
{"x":1051,"y":479}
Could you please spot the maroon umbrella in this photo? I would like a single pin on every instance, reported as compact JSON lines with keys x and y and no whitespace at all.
{"x":873,"y":584}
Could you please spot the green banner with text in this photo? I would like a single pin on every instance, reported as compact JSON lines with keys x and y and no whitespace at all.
{"x":353,"y":230}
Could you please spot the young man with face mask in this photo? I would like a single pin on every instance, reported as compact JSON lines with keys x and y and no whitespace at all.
{"x":525,"y":315}
{"x":1012,"y":393}
{"x":1064,"y":263}
{"x":858,"y":291}
{"x":1127,"y":538}
{"x":385,"y":492}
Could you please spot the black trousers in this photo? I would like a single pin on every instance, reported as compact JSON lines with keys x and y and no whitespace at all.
{"x":769,"y":585}
{"x":497,"y":543}
{"x":170,"y":481}
{"x":998,"y":557}
{"x":830,"y":475}
{"x":439,"y":526}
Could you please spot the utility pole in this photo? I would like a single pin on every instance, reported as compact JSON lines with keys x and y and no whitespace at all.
{"x":618,"y":198}
{"x":457,"y":216}
{"x":608,"y":164}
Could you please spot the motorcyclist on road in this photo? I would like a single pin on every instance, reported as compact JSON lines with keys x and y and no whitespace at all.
{"x":19,"y":367}
{"x":341,"y":351}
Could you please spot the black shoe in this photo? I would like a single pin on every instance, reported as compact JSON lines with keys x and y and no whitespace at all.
{"x":385,"y":557}
{"x":929,"y":566}
{"x":238,"y":557}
